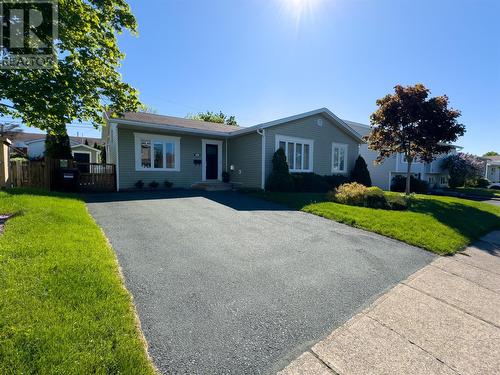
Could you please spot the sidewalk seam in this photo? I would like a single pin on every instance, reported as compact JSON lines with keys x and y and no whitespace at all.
{"x":464,"y":278}
{"x":412,"y":343}
{"x":453,"y":306}
{"x":324,"y":363}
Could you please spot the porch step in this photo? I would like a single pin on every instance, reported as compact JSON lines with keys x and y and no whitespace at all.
{"x":211,"y":186}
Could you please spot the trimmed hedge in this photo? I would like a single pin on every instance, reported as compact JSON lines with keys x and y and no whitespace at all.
{"x":416,"y":185}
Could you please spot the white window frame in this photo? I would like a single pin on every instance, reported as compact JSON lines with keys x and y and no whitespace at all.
{"x":295,"y":140}
{"x":157,"y":138}
{"x":204,"y":143}
{"x":345,"y":146}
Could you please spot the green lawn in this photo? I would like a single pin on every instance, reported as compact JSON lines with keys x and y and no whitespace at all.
{"x":442,"y":225}
{"x":478,"y":191}
{"x":63,"y":307}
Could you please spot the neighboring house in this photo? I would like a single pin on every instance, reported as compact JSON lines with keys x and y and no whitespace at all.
{"x":151,"y":147}
{"x":492,"y":168}
{"x":382,"y":174}
{"x":34,"y":146}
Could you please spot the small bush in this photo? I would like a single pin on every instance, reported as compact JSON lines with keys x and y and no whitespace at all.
{"x":153,"y":184}
{"x":310,"y":183}
{"x":139,"y":184}
{"x":495,"y":187}
{"x":225,"y":177}
{"x":375,"y":198}
{"x":334,"y":181}
{"x":352,"y":194}
{"x":416,"y":185}
{"x":278,"y":182}
{"x":360,"y":172}
{"x":398,"y":202}
{"x":478,"y":183}
{"x":168,"y":184}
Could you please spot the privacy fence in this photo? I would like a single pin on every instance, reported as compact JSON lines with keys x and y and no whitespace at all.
{"x":63,"y":175}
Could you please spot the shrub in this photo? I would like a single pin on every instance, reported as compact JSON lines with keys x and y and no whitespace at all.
{"x":334,"y":181}
{"x":375,"y":198}
{"x":360,"y":172}
{"x":478,"y":182}
{"x":496,"y":187}
{"x":280,"y":178}
{"x":398,"y":202}
{"x":351,"y":193}
{"x":153,"y":184}
{"x":310,"y":183}
{"x":139,"y":184}
{"x":416,"y":185}
{"x":225,"y":177}
{"x":168,"y":184}
{"x":462,"y":168}
{"x":58,"y":146}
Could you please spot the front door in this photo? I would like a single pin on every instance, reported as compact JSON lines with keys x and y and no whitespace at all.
{"x":212,"y":162}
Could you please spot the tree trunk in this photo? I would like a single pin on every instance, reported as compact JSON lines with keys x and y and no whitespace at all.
{"x":408,"y":176}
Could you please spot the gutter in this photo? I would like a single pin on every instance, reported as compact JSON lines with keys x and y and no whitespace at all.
{"x":262,"y":133}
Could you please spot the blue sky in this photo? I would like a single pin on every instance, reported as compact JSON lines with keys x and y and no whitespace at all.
{"x":265,"y":59}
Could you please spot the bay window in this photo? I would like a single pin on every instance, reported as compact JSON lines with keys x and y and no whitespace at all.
{"x":156,"y":152}
{"x":339,"y":158}
{"x":298,"y":152}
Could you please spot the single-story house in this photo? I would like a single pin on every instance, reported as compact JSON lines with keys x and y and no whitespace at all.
{"x":492,"y":171}
{"x":33,"y":144}
{"x":186,"y":152}
{"x":383,"y":173}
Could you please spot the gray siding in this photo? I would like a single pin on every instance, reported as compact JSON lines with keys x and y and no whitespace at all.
{"x":245,"y":154}
{"x":379,"y":173}
{"x":323,"y":137}
{"x":189,"y":172}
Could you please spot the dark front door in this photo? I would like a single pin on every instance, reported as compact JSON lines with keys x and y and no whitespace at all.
{"x":212,"y":158}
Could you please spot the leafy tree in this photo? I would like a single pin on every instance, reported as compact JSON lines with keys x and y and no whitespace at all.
{"x":86,"y":142}
{"x":96,"y":146}
{"x":410,"y":123}
{"x":58,"y":146}
{"x":102,"y":155}
{"x":147,"y":109}
{"x":360,"y":172}
{"x":85,"y":82}
{"x":210,"y":116}
{"x":491,"y":153}
{"x":463,"y":168}
{"x":280,"y":178}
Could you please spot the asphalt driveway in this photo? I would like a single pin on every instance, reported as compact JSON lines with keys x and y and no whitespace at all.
{"x":227,"y":283}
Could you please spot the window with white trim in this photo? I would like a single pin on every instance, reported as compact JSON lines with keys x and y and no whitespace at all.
{"x":298,"y":153}
{"x":156,"y":152}
{"x":339,"y":158}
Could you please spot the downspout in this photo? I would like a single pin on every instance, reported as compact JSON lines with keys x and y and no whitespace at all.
{"x":262,"y":133}
{"x":227,"y":140}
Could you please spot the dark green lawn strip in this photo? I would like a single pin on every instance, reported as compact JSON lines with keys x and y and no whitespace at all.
{"x":478,"y":192}
{"x":442,"y":225}
{"x":63,"y":308}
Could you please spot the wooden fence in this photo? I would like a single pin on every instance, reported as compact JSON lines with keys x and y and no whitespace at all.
{"x":50,"y":174}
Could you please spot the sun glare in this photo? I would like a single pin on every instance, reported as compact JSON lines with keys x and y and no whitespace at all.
{"x":300,"y":8}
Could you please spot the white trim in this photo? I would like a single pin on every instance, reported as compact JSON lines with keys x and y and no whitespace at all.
{"x":179,"y":129}
{"x":83,"y":152}
{"x":345,"y":146}
{"x":158,"y":138}
{"x":262,"y":133}
{"x":114,"y":127}
{"x":204,"y":143}
{"x":85,"y":146}
{"x":324,"y":111}
{"x":304,"y":141}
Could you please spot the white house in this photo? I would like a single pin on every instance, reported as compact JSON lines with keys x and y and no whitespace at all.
{"x":34,"y":145}
{"x":492,"y":172}
{"x":382,"y":174}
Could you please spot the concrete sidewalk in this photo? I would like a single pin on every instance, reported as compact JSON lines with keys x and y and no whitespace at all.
{"x":444,"y":319}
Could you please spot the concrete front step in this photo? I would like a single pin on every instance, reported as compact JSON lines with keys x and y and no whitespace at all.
{"x":212,"y":186}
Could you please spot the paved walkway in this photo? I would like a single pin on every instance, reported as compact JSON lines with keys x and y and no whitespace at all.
{"x":444,"y":319}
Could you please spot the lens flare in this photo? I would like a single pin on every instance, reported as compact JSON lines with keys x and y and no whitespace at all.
{"x":300,"y":8}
